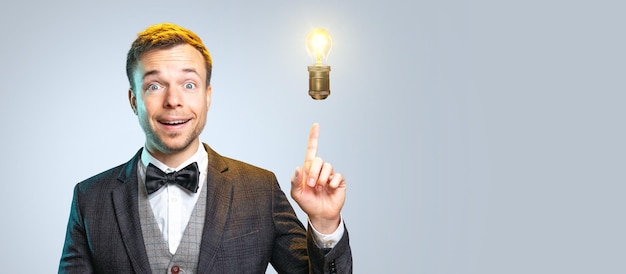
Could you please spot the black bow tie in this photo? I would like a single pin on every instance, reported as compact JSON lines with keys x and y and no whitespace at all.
{"x":186,"y":177}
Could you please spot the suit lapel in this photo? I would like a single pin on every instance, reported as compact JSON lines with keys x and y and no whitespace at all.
{"x":126,"y":210}
{"x":219,"y":201}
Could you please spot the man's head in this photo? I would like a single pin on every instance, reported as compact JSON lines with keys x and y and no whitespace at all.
{"x":169,"y":70}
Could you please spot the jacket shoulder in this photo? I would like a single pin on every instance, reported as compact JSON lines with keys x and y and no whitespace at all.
{"x":238,"y":165}
{"x":104,"y":180}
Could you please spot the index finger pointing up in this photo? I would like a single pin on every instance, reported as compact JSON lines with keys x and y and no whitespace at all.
{"x":311,"y":150}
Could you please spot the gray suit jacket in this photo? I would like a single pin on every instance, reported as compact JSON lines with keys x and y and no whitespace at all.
{"x":249,"y":223}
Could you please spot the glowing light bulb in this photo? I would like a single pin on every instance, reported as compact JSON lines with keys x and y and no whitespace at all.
{"x":318,"y":45}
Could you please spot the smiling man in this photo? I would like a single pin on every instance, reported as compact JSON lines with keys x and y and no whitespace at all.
{"x":177,"y":206}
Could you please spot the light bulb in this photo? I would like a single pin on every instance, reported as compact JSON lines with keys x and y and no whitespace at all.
{"x":318,"y":45}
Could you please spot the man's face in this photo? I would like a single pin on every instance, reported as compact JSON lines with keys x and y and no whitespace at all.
{"x":171,"y":100}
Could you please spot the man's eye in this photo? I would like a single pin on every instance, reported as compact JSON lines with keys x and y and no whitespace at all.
{"x":153,"y":87}
{"x":190,"y":85}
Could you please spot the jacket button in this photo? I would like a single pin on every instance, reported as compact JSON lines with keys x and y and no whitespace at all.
{"x":333,"y":267}
{"x":175,"y":269}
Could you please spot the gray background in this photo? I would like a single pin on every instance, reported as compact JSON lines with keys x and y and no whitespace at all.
{"x":476,"y":136}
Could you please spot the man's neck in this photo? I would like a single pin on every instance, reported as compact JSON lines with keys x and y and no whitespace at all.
{"x":174,"y":159}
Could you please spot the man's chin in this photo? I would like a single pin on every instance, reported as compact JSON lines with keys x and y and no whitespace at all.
{"x":173,"y":146}
{"x":176,"y":148}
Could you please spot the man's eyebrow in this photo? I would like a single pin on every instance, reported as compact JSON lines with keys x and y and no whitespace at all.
{"x":192,"y":70}
{"x":150,"y":73}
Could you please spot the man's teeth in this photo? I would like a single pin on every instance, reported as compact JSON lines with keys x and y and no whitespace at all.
{"x":174,"y":122}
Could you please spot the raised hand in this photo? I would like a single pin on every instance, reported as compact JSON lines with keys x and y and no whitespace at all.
{"x":317,"y":189}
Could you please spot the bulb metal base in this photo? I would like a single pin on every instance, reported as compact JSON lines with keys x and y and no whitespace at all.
{"x":319,"y":82}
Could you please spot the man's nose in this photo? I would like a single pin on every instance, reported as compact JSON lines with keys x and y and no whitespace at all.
{"x":173,"y":97}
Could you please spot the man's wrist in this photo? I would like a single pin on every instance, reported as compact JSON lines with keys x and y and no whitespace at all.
{"x":327,"y":240}
{"x":325,"y":226}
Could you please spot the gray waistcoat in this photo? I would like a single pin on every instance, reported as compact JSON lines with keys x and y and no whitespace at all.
{"x":186,"y":257}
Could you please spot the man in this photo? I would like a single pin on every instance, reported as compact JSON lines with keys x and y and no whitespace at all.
{"x":179,"y":207}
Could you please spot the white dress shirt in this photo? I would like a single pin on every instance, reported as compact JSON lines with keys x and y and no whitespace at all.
{"x":172,"y":205}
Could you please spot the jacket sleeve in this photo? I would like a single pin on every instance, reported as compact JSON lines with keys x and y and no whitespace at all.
{"x":329,"y":261}
{"x":76,"y":256}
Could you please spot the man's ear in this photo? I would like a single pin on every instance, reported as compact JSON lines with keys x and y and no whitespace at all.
{"x":209,"y":91}
{"x":132,"y":99}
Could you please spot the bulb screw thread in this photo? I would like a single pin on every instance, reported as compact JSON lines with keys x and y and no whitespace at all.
{"x":319,"y":82}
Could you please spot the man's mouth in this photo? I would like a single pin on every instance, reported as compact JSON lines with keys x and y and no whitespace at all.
{"x":174,"y":122}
